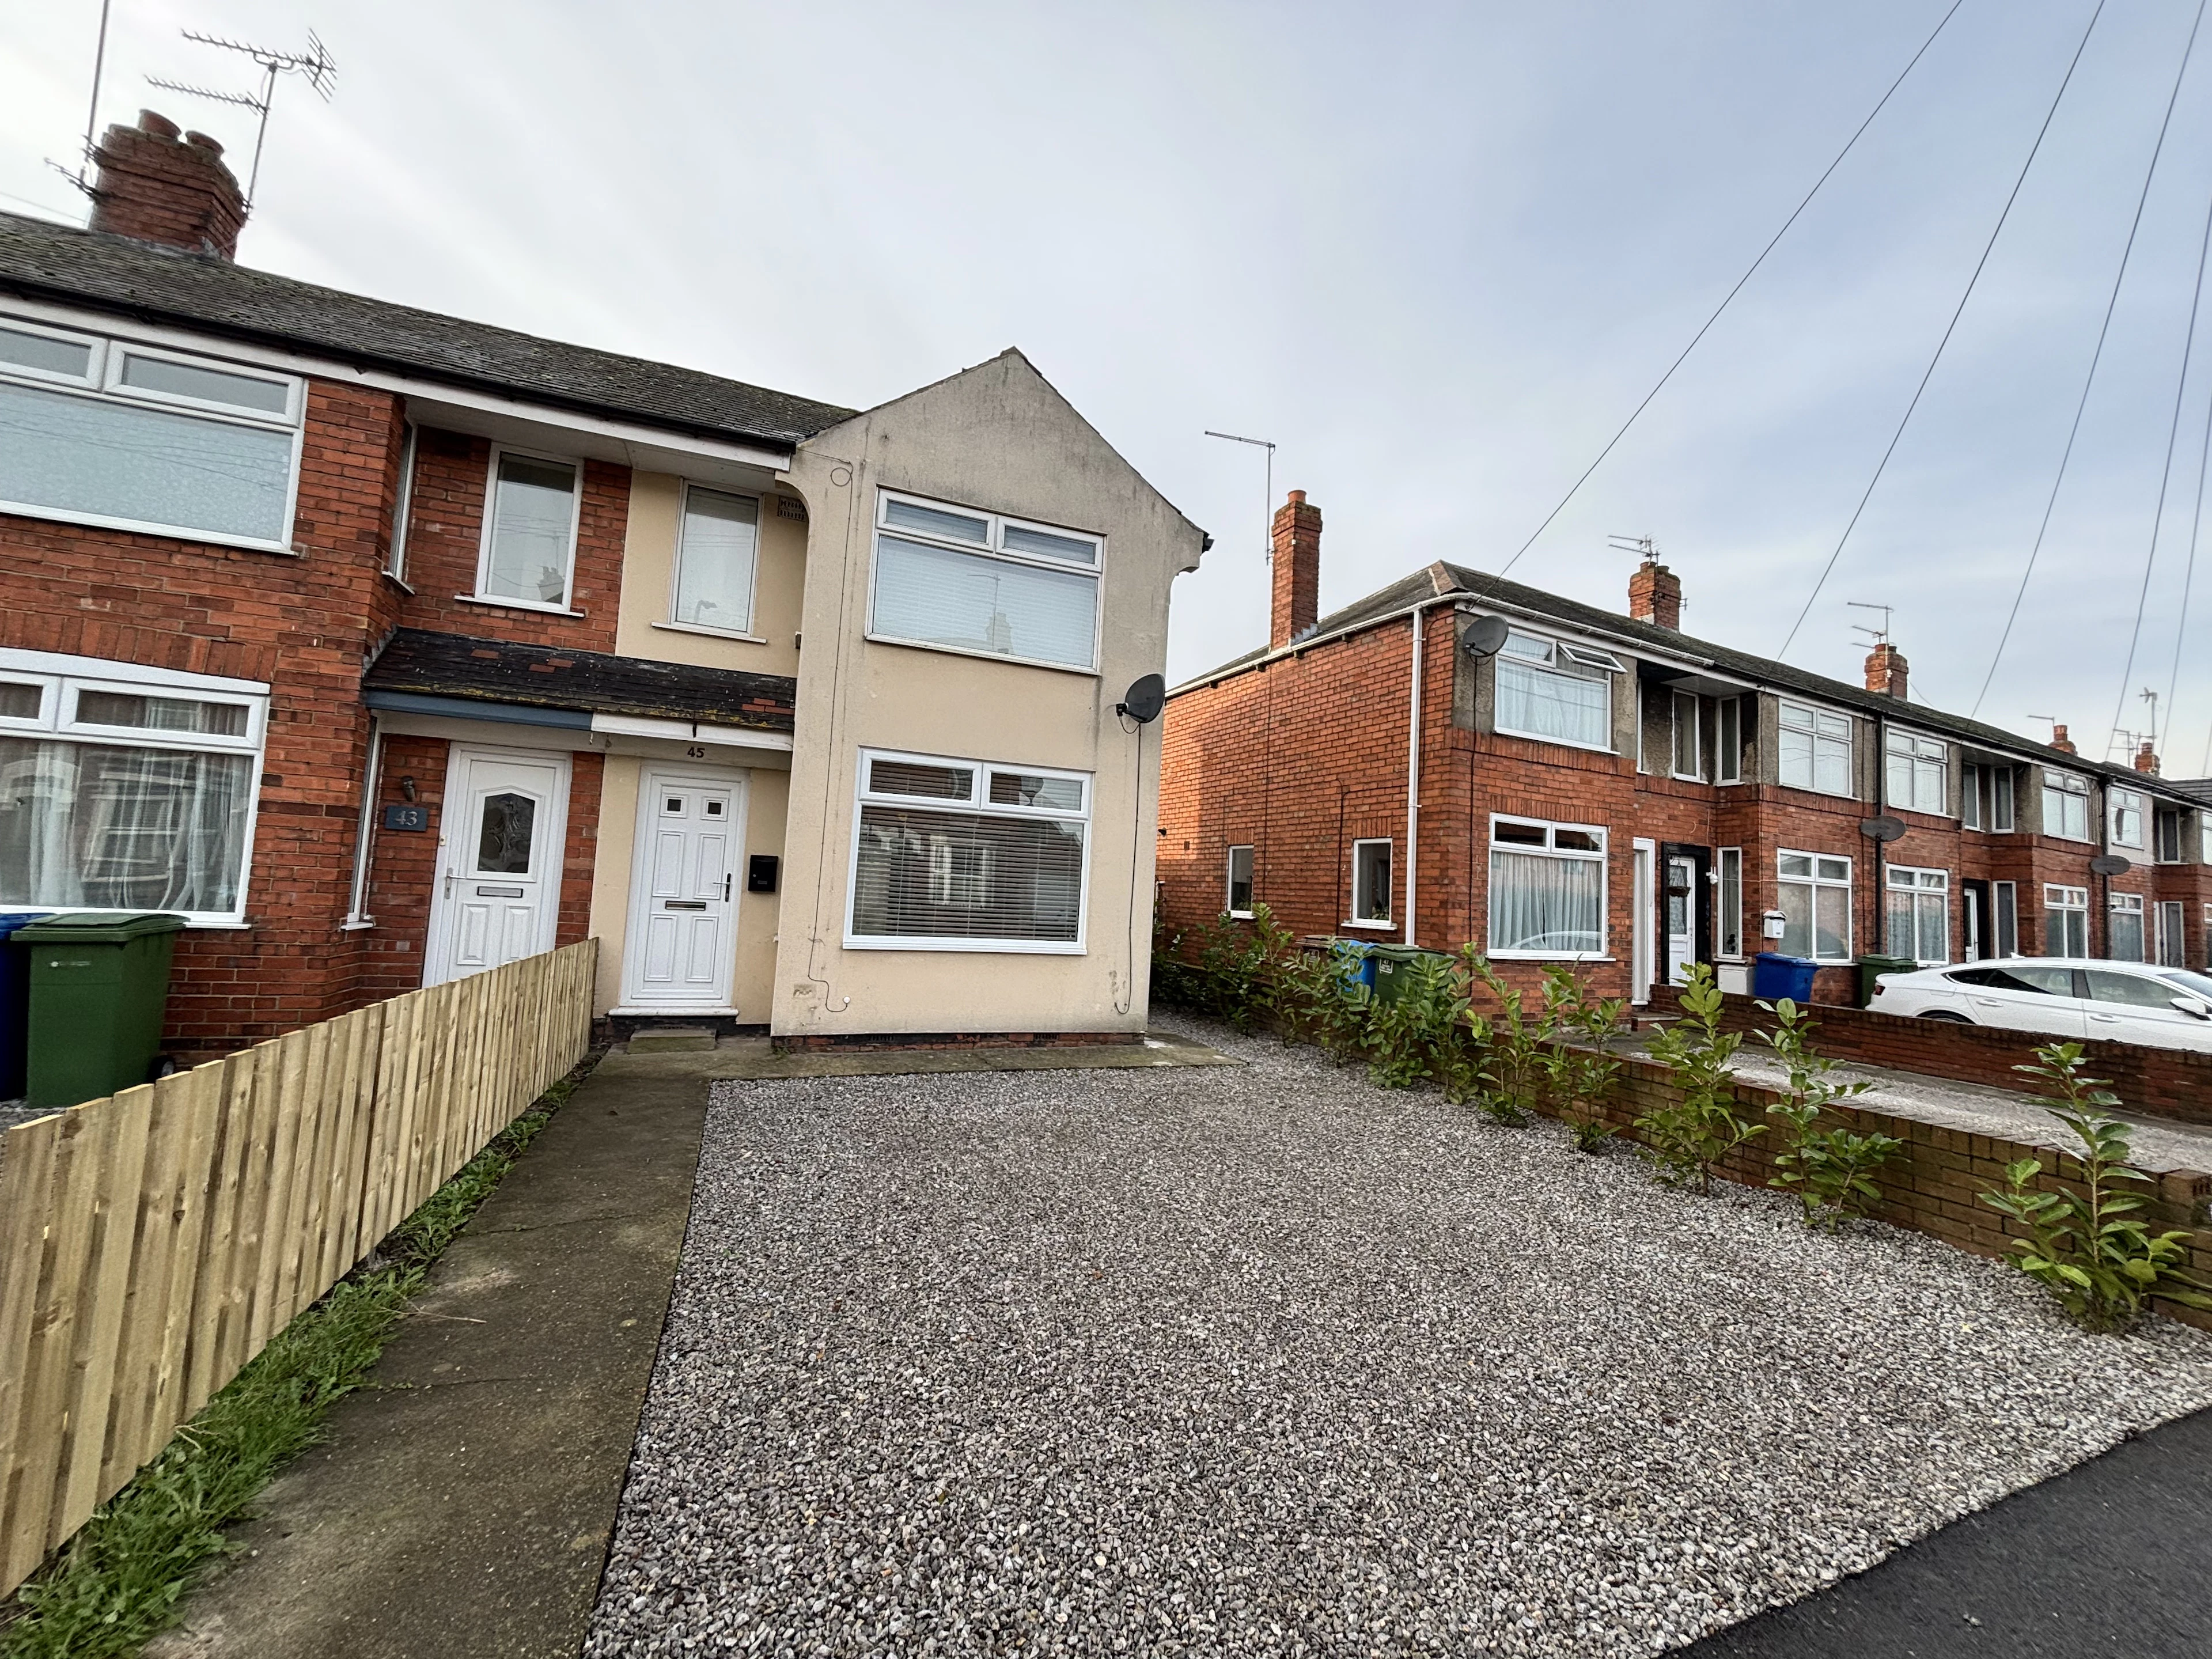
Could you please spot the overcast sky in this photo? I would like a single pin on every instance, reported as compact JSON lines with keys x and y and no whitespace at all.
{"x":1437,"y":254}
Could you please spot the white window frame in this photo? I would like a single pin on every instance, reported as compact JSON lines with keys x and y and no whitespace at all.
{"x":102,"y":382}
{"x":1814,"y":714}
{"x":483,"y":539}
{"x":1918,"y":754}
{"x":1917,"y":881}
{"x":2004,"y":918}
{"x":1815,"y":882}
{"x":2208,"y":938}
{"x":991,"y":548}
{"x":395,"y":562}
{"x":977,"y":803}
{"x":1569,"y":661}
{"x":1229,"y":892}
{"x":1728,"y":734}
{"x":675,"y":565}
{"x":2160,"y":812}
{"x":1728,"y":908}
{"x":62,"y":678}
{"x":2060,"y":900}
{"x":2119,"y":804}
{"x":2068,"y":785}
{"x":2127,"y":904}
{"x":2170,"y":918}
{"x":1697,"y":771}
{"x":1390,"y":888}
{"x":1601,"y":858}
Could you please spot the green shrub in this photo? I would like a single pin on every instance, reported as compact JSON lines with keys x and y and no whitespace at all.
{"x":1424,"y":1032}
{"x":1690,"y":1133}
{"x":2084,"y":1244}
{"x":1514,"y":1045}
{"x":1321,"y":1006}
{"x":1578,"y":1072}
{"x":1831,"y":1170}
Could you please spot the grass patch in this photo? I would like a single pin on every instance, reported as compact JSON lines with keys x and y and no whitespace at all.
{"x":118,"y":1581}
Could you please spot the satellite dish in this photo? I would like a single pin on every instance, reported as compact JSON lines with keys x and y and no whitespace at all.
{"x":2109,"y":864}
{"x":1486,"y":636}
{"x":1144,"y":700}
{"x":1883,"y":829}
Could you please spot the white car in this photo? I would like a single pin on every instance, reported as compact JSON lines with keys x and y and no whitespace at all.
{"x":2074,"y":997}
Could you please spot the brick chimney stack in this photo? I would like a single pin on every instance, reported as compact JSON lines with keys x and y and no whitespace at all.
{"x":1296,"y":570}
{"x":158,"y":187}
{"x":2147,"y":759}
{"x":2060,"y":741}
{"x":1886,"y":669}
{"x":1655,"y":595}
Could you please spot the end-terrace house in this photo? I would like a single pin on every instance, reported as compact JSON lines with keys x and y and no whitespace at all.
{"x":388,"y":646}
{"x":1458,"y":758}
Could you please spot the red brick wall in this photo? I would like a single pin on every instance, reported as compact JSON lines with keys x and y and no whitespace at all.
{"x":586,"y":772}
{"x":402,"y":870}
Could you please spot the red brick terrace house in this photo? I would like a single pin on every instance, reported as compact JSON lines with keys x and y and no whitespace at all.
{"x":1458,"y":758}
{"x":385,"y":647}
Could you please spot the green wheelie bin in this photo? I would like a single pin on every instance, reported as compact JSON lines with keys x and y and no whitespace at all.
{"x":100,"y":983}
{"x":1872,"y":968}
{"x":1394,"y":966}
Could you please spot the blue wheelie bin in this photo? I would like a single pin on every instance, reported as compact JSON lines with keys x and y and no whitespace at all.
{"x":14,"y":1002}
{"x":1774,"y":976}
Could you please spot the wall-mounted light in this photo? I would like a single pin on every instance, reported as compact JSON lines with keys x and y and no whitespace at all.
{"x":407,"y":788}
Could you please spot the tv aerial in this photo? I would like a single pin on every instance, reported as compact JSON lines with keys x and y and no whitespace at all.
{"x":315,"y":65}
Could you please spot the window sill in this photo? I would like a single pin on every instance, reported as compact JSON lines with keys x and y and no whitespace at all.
{"x":1549,"y":956}
{"x":400,"y":582}
{"x":1825,"y":795}
{"x":169,"y":531}
{"x":1371,"y":927}
{"x":516,"y":605}
{"x":356,"y":924}
{"x":1239,"y":915}
{"x":711,"y":632}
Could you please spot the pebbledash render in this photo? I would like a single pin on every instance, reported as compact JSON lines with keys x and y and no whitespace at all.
{"x":1459,"y":758}
{"x":386,"y":647}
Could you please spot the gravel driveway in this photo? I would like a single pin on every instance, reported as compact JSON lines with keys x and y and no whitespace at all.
{"x":1266,"y":1360}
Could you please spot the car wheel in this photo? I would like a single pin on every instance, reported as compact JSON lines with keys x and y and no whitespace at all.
{"x":1946,"y":1016}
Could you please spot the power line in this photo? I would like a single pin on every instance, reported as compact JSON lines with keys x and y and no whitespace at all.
{"x":1979,"y":265}
{"x":2188,"y":569}
{"x":2095,"y":357}
{"x":1732,"y":293}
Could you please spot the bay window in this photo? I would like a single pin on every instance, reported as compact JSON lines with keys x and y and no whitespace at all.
{"x":1546,"y":889}
{"x":2065,"y":805}
{"x":99,"y":431}
{"x":1555,"y":692}
{"x":126,"y":789}
{"x":1814,"y":893}
{"x":1918,"y":914}
{"x":1918,"y":772}
{"x":2065,"y":920}
{"x":959,"y":579}
{"x":1816,"y":750}
{"x":968,"y":855}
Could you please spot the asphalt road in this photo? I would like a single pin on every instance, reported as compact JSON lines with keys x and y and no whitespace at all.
{"x":2113,"y":1557}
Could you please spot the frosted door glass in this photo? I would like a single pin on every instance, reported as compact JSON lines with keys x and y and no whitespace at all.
{"x":715,"y":571}
{"x":532,"y":514}
{"x":936,"y":597}
{"x":149,"y":465}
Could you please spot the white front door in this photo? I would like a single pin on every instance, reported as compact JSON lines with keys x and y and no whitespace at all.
{"x":682,"y":944}
{"x":498,"y":883}
{"x":1681,"y":919}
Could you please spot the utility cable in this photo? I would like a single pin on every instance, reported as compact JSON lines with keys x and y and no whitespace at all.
{"x":1732,"y":293}
{"x":2089,"y":381}
{"x":1979,"y":266}
{"x":2188,"y":569}
{"x":2173,"y":429}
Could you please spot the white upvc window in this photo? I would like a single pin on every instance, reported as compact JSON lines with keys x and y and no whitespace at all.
{"x":2166,"y":826}
{"x":2208,"y":938}
{"x":1546,"y":889}
{"x":126,"y":789}
{"x":2065,"y":805}
{"x":99,"y":431}
{"x":1918,"y":914}
{"x":1729,"y":941}
{"x":1814,"y":893}
{"x":2065,"y":920}
{"x":1816,"y":750}
{"x":395,"y":558}
{"x":2123,"y":817}
{"x":717,"y":551}
{"x":1985,"y":799}
{"x":1556,"y":692}
{"x":527,"y":557}
{"x":2125,"y":933}
{"x":1688,"y":761}
{"x":2204,"y":835}
{"x":2169,"y":947}
{"x":1240,"y":881}
{"x":1370,"y":884}
{"x":959,"y":579}
{"x":1727,"y":721}
{"x":955,"y":855}
{"x":1919,"y":773}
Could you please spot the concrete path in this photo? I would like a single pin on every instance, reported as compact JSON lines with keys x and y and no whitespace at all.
{"x":464,"y":1501}
{"x":2112,"y":1557}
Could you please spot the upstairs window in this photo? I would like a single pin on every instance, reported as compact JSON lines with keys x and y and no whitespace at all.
{"x":1728,"y":757}
{"x":1556,"y":692}
{"x":1816,"y":750}
{"x":1986,"y":799}
{"x":1918,"y":772}
{"x":715,"y":554}
{"x":99,"y":431}
{"x":2124,"y":816}
{"x":959,"y":579}
{"x":1687,"y":760}
{"x":2166,"y":833}
{"x":2065,"y":805}
{"x":529,"y":550}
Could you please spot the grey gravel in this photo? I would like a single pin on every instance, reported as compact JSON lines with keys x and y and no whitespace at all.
{"x":1266,"y":1360}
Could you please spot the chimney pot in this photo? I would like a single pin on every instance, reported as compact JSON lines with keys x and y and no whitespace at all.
{"x":1296,"y":570}
{"x":201,"y":141}
{"x":157,"y":123}
{"x":2060,"y":741}
{"x":1654,"y":596}
{"x":155,"y":189}
{"x":1885,"y":671}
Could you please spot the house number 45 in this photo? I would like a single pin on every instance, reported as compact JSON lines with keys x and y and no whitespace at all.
{"x":695,"y":752}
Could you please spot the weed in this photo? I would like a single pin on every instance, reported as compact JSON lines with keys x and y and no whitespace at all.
{"x":1831,"y":1170}
{"x":1690,"y":1134}
{"x":2084,"y":1243}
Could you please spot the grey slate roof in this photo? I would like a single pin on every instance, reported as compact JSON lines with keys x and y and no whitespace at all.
{"x":430,"y":663}
{"x":62,"y":264}
{"x":1477,"y":586}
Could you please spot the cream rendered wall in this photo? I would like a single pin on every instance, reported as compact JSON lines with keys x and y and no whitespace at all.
{"x":1000,"y":438}
{"x":642,"y":628}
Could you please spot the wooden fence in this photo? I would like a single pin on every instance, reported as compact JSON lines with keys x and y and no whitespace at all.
{"x":151,"y":1243}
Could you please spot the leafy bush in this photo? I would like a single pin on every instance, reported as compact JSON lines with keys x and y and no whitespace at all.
{"x":1240,"y":973}
{"x":1831,"y":1170}
{"x":1425,"y":1032}
{"x":1579,"y":1074}
{"x":1688,"y":1135}
{"x":1514,"y":1049}
{"x":2084,"y":1243}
